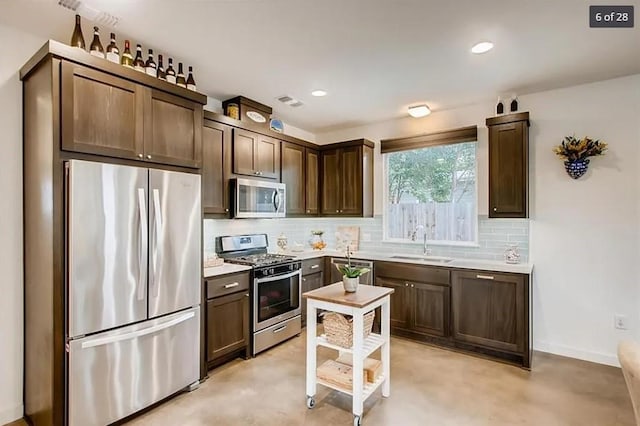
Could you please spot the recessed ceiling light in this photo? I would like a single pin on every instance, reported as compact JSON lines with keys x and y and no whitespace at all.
{"x":319,"y":93}
{"x":482,"y":47}
{"x":419,"y":111}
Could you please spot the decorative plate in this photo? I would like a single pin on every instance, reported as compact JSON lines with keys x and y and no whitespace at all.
{"x":276,"y":125}
{"x":256,"y":116}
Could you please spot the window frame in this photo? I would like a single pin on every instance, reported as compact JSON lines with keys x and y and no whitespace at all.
{"x":420,"y":241}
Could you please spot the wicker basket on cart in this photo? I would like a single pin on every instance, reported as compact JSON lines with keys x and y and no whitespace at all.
{"x":338,"y":329}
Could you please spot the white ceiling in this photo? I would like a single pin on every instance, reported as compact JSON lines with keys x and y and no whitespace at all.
{"x":374,"y":57}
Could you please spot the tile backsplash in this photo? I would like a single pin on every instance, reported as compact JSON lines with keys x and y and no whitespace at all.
{"x":493,"y":235}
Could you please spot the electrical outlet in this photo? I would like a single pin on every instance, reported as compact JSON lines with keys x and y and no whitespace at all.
{"x":366,"y":237}
{"x":620,"y":321}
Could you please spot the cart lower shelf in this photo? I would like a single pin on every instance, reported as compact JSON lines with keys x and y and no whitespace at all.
{"x":369,"y":388}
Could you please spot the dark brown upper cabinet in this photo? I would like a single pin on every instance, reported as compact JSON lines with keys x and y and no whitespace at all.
{"x":104,"y":114}
{"x":299,"y":171}
{"x":255,"y":155}
{"x":216,"y":167}
{"x":347,"y":179}
{"x":489,"y":310}
{"x":509,"y":166}
{"x":312,"y":182}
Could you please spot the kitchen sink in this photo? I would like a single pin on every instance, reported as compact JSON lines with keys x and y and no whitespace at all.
{"x":439,"y":259}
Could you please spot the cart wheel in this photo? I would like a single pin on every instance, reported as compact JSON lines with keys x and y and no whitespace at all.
{"x":356,"y":420}
{"x":311,"y":402}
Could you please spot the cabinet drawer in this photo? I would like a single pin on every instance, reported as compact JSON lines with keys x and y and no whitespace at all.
{"x":409,"y":272}
{"x":227,"y":284}
{"x":312,"y":266}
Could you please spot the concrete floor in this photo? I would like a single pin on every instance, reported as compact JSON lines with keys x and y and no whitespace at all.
{"x":428,"y":386}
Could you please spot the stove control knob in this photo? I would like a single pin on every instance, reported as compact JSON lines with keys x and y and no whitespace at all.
{"x":271,"y":271}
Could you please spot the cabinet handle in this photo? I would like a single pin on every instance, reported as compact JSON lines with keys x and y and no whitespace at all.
{"x":337,"y":211}
{"x":140,"y":156}
{"x":148,"y":157}
{"x":304,"y":279}
{"x":232,"y":285}
{"x":411,"y":285}
{"x":226,"y":210}
{"x":315,"y":266}
{"x":406,"y":284}
{"x":484,"y":277}
{"x":246,"y":294}
{"x":495,"y":209}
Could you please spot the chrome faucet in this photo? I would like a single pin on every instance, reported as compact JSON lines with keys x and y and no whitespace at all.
{"x":425,"y":249}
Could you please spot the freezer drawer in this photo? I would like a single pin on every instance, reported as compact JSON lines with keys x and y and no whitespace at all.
{"x":114,"y":374}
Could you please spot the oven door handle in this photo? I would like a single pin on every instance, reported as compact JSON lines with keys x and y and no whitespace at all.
{"x":278,"y":277}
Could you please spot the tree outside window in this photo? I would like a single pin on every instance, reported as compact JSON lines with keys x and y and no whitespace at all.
{"x":432,"y":190}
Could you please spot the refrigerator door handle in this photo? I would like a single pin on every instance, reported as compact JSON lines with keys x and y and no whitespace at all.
{"x":157,"y":247}
{"x":138,"y":333}
{"x":142,"y":248}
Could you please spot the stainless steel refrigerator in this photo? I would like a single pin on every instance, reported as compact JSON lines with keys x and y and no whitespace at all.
{"x":133,"y":296}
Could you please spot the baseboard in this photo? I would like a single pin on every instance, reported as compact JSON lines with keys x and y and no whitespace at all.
{"x":568,"y":351}
{"x":9,"y":415}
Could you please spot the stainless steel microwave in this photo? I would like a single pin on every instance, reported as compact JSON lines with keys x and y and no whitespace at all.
{"x":254,"y":198}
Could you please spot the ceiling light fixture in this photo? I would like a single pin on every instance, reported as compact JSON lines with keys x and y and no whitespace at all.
{"x":482,"y":47}
{"x":319,"y":93}
{"x":419,"y":111}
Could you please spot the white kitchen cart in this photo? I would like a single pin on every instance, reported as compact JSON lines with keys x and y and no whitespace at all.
{"x":334,"y":298}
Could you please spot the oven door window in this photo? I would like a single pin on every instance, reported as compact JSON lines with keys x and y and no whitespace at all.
{"x":278,"y":297}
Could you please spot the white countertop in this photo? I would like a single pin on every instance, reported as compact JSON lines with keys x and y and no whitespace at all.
{"x":225,"y":268}
{"x":456,"y":263}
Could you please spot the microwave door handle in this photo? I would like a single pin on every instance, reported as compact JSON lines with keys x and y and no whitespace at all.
{"x":276,"y":200}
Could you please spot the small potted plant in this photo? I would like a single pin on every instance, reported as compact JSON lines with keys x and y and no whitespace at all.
{"x":350,"y":274}
{"x":576,"y":153}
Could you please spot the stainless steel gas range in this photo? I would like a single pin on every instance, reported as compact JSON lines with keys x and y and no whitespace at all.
{"x":276,"y":299}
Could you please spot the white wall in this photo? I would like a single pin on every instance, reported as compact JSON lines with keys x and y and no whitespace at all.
{"x":585,"y":234}
{"x":15,"y":48}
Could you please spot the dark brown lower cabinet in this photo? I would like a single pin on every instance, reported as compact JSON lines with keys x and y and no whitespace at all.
{"x":227,"y":325}
{"x":489,"y":310}
{"x":310,"y":282}
{"x":416,"y":307}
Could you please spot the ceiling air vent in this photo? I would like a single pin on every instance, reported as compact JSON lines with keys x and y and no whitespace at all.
{"x":288,"y":100}
{"x":90,"y":13}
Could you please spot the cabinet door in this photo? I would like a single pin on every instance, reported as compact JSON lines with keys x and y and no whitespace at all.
{"x":429,"y":306}
{"x":293,"y":172}
{"x":172,"y":130}
{"x":101,"y":114}
{"x":351,"y":181}
{"x":311,"y":181}
{"x":310,"y":282}
{"x":399,"y":316}
{"x":244,"y":152}
{"x":508,"y":170}
{"x":227,"y":324}
{"x":216,"y":167}
{"x":331,"y":189}
{"x":268,"y":157}
{"x":488,"y":310}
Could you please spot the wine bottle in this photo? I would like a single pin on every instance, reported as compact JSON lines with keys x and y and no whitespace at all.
{"x":138,"y":62}
{"x":113,"y":53}
{"x":96,"y":48}
{"x":180,"y":80}
{"x":150,"y":66}
{"x":514,"y":103}
{"x":500,"y":107}
{"x":191,"y":83}
{"x":161,"y":74}
{"x":77,"y":39}
{"x":171,"y":74}
{"x":127,"y":58}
